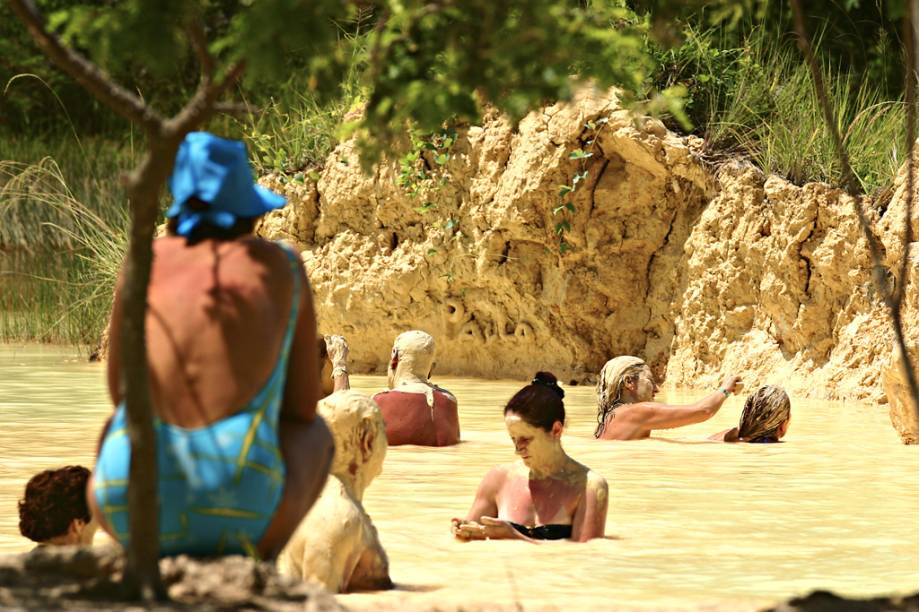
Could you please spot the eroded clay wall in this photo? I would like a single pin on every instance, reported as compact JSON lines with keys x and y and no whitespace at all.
{"x":698,"y":270}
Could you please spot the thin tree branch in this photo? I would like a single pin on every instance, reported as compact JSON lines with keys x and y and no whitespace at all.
{"x":888,"y":294}
{"x":201,"y":105}
{"x":198,"y":40}
{"x":237,"y":109}
{"x":84,"y":72}
{"x":909,"y":35}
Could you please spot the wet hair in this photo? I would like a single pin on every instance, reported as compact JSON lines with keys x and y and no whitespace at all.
{"x":609,"y":387}
{"x":53,"y":499}
{"x":204,"y":231}
{"x":539,"y":403}
{"x":764,"y":412}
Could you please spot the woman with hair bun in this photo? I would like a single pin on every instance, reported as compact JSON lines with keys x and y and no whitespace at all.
{"x":546,"y":495}
{"x":765,"y":417}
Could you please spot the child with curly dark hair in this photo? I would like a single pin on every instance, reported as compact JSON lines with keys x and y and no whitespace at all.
{"x":54,"y":510}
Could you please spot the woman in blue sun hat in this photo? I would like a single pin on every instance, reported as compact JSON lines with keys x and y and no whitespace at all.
{"x":231,"y":349}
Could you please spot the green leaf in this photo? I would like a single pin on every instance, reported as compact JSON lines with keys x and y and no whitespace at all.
{"x":579,"y":154}
{"x":426,"y":208}
{"x":564,"y":247}
{"x":564,"y":190}
{"x":441,"y":159}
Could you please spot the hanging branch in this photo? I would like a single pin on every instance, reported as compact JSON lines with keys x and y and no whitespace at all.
{"x":892,"y":297}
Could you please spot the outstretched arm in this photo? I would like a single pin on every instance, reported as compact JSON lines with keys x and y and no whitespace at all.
{"x":654,"y":415}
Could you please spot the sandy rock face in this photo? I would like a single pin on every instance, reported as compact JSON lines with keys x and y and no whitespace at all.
{"x":697,"y":270}
{"x":903,"y":416}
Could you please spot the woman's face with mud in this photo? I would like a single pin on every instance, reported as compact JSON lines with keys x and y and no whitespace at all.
{"x":532,"y":444}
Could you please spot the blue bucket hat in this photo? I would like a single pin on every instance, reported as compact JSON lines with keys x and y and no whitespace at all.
{"x":216,"y":171}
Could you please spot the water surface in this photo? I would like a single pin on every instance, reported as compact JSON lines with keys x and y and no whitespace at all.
{"x":690,"y":523}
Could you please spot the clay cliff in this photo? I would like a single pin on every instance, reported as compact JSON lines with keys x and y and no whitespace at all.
{"x":699,"y":269}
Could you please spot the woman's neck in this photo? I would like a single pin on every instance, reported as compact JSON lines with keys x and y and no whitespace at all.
{"x":550,"y":464}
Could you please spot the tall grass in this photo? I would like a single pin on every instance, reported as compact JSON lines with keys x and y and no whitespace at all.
{"x":758,"y":100}
{"x":59,"y":256}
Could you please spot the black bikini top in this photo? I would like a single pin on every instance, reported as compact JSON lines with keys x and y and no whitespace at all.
{"x":544,"y":532}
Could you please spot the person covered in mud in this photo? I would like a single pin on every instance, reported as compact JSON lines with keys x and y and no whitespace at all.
{"x":625,"y":406}
{"x":333,"y":363}
{"x":53,"y":511}
{"x":336,"y":544}
{"x":231,"y":331}
{"x":416,"y":411}
{"x":545,"y":495}
{"x":765,"y":418}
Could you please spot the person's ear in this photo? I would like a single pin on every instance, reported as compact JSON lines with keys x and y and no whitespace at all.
{"x":394,"y":361}
{"x":630,"y":382}
{"x":76,"y":528}
{"x":366,"y":442}
{"x":557,"y":429}
{"x":783,"y":429}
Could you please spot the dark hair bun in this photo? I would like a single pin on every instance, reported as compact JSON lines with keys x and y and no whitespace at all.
{"x":540,"y":402}
{"x":548,"y":379}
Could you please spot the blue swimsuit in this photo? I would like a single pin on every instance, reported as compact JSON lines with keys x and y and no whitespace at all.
{"x":219,"y":485}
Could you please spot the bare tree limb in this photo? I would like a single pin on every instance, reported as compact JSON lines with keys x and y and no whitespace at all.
{"x":237,"y":109}
{"x":890,"y":296}
{"x":84,"y":72}
{"x":198,"y":40}
{"x":909,"y":37}
{"x":201,"y":106}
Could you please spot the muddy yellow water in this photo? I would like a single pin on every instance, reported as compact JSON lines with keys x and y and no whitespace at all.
{"x":690,"y":523}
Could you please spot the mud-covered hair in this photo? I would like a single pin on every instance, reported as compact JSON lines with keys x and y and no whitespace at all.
{"x":764,"y":412}
{"x":52,"y":500}
{"x":615,"y":373}
{"x":539,"y":403}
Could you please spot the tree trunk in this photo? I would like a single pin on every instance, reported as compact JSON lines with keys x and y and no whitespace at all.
{"x":142,"y":577}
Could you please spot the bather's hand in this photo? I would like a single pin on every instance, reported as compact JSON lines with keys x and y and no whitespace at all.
{"x":488,"y":529}
{"x":732,"y":383}
{"x":338,"y":350}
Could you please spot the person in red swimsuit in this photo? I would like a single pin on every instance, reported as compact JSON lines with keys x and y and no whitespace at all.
{"x":416,"y":411}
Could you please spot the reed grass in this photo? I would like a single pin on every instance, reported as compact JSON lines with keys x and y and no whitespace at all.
{"x":60,"y":254}
{"x":758,"y":100}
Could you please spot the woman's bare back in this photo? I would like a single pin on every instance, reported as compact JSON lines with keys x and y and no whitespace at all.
{"x":217,"y":314}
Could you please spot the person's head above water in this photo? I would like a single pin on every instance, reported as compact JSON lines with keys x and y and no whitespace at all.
{"x":213,"y":190}
{"x":54,"y":509}
{"x":535,"y":419}
{"x":766,"y":415}
{"x":360,"y":437}
{"x":412,"y":358}
{"x":623,"y":380}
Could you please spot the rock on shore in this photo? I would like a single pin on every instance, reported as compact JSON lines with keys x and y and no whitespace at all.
{"x":75,"y":578}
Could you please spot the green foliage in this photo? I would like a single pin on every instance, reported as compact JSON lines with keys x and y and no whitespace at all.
{"x":759,"y":100}
{"x":435,"y":60}
{"x":421,"y":168}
